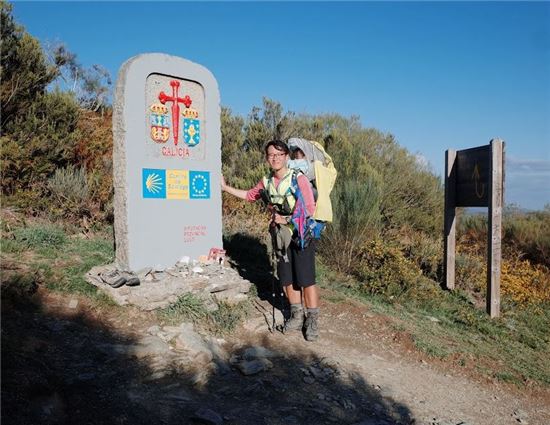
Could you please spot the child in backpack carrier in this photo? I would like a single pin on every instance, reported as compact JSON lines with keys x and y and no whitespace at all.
{"x":296,"y":269}
{"x":298,"y":160}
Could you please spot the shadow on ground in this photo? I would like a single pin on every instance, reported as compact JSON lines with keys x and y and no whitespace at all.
{"x":61,"y":368}
{"x":251,"y":259}
{"x":249,"y":256}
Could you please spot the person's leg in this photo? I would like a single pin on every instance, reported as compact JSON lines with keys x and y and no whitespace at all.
{"x":305,"y":277}
{"x":311,"y":296}
{"x":296,"y":319}
{"x":293,"y":295}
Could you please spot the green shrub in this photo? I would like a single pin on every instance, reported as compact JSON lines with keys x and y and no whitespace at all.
{"x":412,"y":193}
{"x":40,"y":140}
{"x":94,"y":153}
{"x":427,"y":254}
{"x":69,"y":188}
{"x":529,"y":233}
{"x":69,"y":184}
{"x":474,"y":225}
{"x":470,"y":272}
{"x":356,"y":211}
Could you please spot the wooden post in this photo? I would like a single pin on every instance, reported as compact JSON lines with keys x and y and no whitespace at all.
{"x":450,"y":218}
{"x":494,"y":233}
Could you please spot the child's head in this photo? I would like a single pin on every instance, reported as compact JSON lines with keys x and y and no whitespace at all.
{"x":297,"y":153}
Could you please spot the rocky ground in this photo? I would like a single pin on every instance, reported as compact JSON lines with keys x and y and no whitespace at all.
{"x":66,"y":361}
{"x":162,"y":287}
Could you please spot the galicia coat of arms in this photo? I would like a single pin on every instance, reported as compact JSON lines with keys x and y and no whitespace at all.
{"x":162,"y":123}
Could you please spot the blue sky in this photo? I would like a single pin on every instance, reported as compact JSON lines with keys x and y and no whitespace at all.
{"x":436,"y":75}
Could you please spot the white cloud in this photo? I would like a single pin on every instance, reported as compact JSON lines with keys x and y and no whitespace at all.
{"x":519,"y":166}
{"x":526,"y":194}
{"x":527,"y":182}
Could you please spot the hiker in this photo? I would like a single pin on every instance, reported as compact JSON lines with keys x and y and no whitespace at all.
{"x":295,"y":264}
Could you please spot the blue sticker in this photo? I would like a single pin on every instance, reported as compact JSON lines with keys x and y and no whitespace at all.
{"x":191,"y":131}
{"x":199,"y":184}
{"x":154,"y":183}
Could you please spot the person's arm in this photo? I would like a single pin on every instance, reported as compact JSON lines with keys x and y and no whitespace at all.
{"x":239,"y":193}
{"x":250,"y":195}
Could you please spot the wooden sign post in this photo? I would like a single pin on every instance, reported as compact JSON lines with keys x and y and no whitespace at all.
{"x":474,"y":178}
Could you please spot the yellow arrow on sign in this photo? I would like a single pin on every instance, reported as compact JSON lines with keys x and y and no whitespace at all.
{"x":475,"y":178}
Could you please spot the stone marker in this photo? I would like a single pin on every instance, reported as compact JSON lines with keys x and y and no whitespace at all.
{"x":166,"y":162}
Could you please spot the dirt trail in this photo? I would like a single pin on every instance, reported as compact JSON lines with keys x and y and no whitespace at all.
{"x":362,"y":342}
{"x":64,"y":364}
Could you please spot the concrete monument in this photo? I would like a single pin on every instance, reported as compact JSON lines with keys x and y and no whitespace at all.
{"x":166,"y":161}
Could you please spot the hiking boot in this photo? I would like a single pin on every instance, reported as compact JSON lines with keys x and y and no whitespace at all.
{"x":312,"y":327}
{"x":113,"y":278}
{"x":296,"y":320}
{"x":131,"y":279}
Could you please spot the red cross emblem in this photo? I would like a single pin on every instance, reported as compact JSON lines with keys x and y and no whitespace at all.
{"x":163,"y":97}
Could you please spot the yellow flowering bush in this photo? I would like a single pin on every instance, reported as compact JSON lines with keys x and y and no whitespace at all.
{"x":383,"y":269}
{"x":524,"y":282}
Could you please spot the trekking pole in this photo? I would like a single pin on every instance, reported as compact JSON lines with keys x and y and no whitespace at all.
{"x":274,"y":261}
{"x":273,"y":324}
{"x":281,"y":300}
{"x":273,"y":271}
{"x":281,"y":294}
{"x":282,"y":305}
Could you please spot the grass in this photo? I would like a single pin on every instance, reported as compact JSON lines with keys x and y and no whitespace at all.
{"x":40,"y":236}
{"x":54,"y":259}
{"x":81,"y":255}
{"x":190,"y":307}
{"x":187,"y":307}
{"x":227,"y":317}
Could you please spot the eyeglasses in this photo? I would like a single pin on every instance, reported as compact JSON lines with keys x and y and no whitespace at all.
{"x":275,"y":155}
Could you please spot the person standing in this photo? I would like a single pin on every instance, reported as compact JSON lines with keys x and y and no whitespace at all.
{"x":296,"y":266}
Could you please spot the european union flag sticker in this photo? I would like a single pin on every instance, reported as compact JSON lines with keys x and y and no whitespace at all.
{"x":154,"y":183}
{"x":199,"y":184}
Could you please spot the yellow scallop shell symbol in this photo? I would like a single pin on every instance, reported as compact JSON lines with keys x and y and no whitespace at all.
{"x":153,"y":183}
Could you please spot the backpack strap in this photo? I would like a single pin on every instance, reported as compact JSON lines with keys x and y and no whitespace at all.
{"x":294,"y":182}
